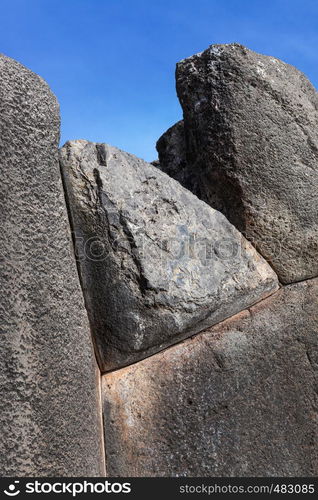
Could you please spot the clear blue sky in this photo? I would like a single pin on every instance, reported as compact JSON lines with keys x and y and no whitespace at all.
{"x":111,"y":62}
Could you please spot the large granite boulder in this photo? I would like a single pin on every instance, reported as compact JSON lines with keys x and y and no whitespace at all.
{"x":251,"y":148}
{"x":237,"y":400}
{"x":156,"y":263}
{"x":49,"y":410}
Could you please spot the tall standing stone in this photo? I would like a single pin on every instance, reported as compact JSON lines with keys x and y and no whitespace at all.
{"x":49,"y":409}
{"x":251,"y":140}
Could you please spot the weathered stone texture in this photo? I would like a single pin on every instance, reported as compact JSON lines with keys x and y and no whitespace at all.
{"x":157,"y":264}
{"x":237,"y":400}
{"x":49,"y":418}
{"x":251,"y":134}
{"x":172,"y":154}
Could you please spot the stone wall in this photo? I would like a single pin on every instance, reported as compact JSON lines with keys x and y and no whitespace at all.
{"x":161,"y":319}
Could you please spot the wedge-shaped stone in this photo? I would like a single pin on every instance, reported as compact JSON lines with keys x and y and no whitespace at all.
{"x":251,"y":144}
{"x":156,"y":263}
{"x":237,"y":400}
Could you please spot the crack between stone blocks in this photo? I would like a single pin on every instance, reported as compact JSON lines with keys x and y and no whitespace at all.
{"x":71,"y":226}
{"x":299,"y":281}
{"x":246,"y":310}
{"x":95,"y":349}
{"x":102,"y":422}
{"x":281,"y":283}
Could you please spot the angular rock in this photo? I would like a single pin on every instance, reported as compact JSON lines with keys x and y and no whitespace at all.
{"x":172,"y":153}
{"x":49,"y":410}
{"x":156,"y":263}
{"x":251,"y":131}
{"x":237,"y":400}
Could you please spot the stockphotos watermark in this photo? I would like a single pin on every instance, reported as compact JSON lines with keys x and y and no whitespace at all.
{"x":64,"y":487}
{"x":188,"y":247}
{"x":164,"y":486}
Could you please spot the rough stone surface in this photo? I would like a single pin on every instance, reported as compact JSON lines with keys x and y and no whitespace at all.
{"x":172,"y":154}
{"x":157,"y":264}
{"x":251,"y":132}
{"x":48,"y":379}
{"x":238,"y":400}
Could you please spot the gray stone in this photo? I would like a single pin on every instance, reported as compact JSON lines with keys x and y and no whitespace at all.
{"x":156,"y":263}
{"x":172,"y":153}
{"x":251,"y":132}
{"x":237,"y":400}
{"x":49,"y":410}
{"x":155,"y":163}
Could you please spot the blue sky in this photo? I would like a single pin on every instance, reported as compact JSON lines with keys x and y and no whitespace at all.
{"x":111,"y":63}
